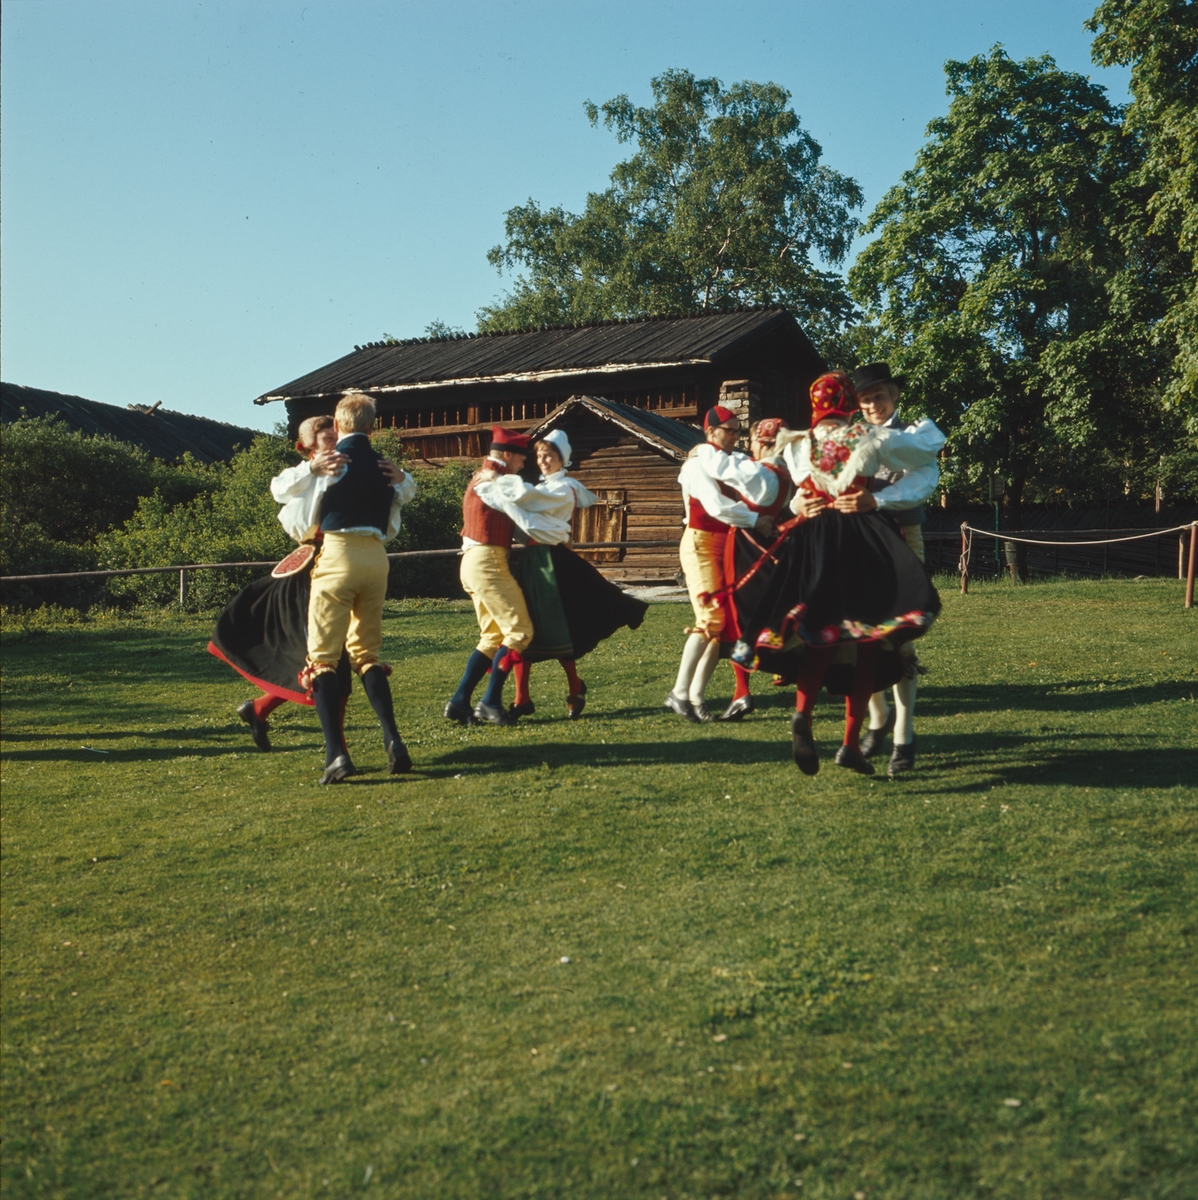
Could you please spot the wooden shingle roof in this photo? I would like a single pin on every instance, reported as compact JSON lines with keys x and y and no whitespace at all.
{"x":544,"y":353}
{"x":673,"y":438}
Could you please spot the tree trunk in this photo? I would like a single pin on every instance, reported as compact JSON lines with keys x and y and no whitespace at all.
{"x":1013,"y":520}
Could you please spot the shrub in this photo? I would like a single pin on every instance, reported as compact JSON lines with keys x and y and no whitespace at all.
{"x":61,"y":488}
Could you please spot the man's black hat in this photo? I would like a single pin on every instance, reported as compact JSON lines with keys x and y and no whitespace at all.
{"x":872,"y":373}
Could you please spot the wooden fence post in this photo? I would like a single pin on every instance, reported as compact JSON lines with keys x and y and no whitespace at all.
{"x":1190,"y":568}
{"x":182,"y":586}
{"x":964,"y":561}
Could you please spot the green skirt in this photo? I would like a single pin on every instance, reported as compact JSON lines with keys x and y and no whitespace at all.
{"x":533,"y":571}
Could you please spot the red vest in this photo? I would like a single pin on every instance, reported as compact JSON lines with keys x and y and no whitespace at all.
{"x":483,"y":524}
{"x":698,"y":517}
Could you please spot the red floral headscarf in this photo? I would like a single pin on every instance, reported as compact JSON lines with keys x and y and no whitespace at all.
{"x":767,"y":431}
{"x":833,"y":395}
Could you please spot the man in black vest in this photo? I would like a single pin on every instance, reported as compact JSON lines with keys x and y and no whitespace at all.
{"x":349,"y":585}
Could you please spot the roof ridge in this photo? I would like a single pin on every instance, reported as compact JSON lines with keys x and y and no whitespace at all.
{"x":643,"y":319}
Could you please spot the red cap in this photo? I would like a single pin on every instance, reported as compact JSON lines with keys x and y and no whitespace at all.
{"x":508,"y":439}
{"x":719,"y":416}
{"x":833,"y":395}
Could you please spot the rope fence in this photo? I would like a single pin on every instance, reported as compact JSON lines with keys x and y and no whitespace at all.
{"x":967,"y":534}
{"x":184,"y":569}
{"x":1011,"y":540}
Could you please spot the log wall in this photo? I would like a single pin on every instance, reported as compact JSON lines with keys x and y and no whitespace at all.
{"x":609,"y":461}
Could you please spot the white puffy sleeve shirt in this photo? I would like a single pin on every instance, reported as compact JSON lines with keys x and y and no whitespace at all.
{"x":918,"y":483}
{"x":300,"y":493}
{"x":709,"y":466}
{"x":542,"y":512}
{"x":897,"y":449}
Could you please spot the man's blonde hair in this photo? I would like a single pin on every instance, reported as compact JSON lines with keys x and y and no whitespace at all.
{"x":355,"y":413}
{"x":310,"y":428}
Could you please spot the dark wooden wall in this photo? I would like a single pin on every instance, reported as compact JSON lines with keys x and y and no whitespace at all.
{"x":625,"y":471}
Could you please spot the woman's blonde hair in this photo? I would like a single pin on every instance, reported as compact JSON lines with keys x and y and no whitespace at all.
{"x":355,"y":413}
{"x":308,"y":430}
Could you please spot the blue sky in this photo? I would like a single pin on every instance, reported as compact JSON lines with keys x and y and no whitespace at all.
{"x":202,"y":201}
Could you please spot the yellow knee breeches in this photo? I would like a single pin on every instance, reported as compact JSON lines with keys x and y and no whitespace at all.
{"x":499,"y":603}
{"x":349,"y":585}
{"x":701,"y":553}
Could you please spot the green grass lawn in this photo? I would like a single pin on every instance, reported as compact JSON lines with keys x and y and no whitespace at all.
{"x":220,"y":979}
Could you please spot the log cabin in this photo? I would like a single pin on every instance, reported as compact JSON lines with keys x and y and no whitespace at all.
{"x":630,"y":394}
{"x":444,"y":394}
{"x":630,"y":458}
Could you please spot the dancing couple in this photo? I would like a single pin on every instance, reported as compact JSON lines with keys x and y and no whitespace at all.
{"x":549,"y":603}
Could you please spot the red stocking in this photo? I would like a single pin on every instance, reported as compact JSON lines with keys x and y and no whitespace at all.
{"x":266,"y":704}
{"x":856,"y":703}
{"x":521,"y":671}
{"x":742,"y":682}
{"x":812,"y":666}
{"x":571,"y":675}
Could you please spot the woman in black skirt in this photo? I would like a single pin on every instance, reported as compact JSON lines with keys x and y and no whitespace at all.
{"x":262,"y":633}
{"x":843,"y":574}
{"x":573,"y":608}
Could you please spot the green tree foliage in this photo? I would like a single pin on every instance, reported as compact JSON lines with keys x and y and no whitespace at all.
{"x":991,"y":274}
{"x":60,"y":489}
{"x":1159,"y":40}
{"x":237,"y":521}
{"x":725,"y":202}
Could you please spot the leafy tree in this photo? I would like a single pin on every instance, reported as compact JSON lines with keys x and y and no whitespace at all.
{"x":724,"y":203}
{"x":990,"y":274}
{"x":1159,"y":39}
{"x":60,"y":488}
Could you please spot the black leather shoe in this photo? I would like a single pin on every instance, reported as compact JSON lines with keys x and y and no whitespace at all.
{"x":802,"y":745}
{"x":259,"y":731}
{"x":854,"y":760}
{"x":874,"y":741}
{"x":903,"y":758}
{"x":399,"y":761}
{"x":521,"y":710}
{"x":491,"y":714}
{"x":681,"y":707}
{"x":576,"y":702}
{"x":737,"y":710}
{"x":340,"y":768}
{"x":700,"y":712}
{"x":460,"y":713}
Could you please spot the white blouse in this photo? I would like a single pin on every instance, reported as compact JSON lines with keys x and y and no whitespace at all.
{"x":543,"y":512}
{"x":833,"y":460}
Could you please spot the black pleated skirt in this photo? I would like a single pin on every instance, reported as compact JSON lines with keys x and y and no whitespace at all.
{"x":262,"y":633}
{"x":839,"y":578}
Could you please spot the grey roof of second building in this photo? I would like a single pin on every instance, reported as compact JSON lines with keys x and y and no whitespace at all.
{"x":647,"y":341}
{"x":665,"y":434}
{"x":161,"y":433}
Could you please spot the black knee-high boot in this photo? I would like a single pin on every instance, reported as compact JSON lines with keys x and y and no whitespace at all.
{"x":326,"y":695}
{"x":378,"y":692}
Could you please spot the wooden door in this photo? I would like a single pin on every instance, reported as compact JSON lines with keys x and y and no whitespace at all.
{"x":604,"y":521}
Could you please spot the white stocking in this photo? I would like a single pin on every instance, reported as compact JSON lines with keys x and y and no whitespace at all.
{"x":879,"y":710}
{"x":703,"y":672}
{"x":691,"y":653}
{"x":904,"y":703}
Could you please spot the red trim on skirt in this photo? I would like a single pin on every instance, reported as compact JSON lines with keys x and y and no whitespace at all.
{"x":271,"y":689}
